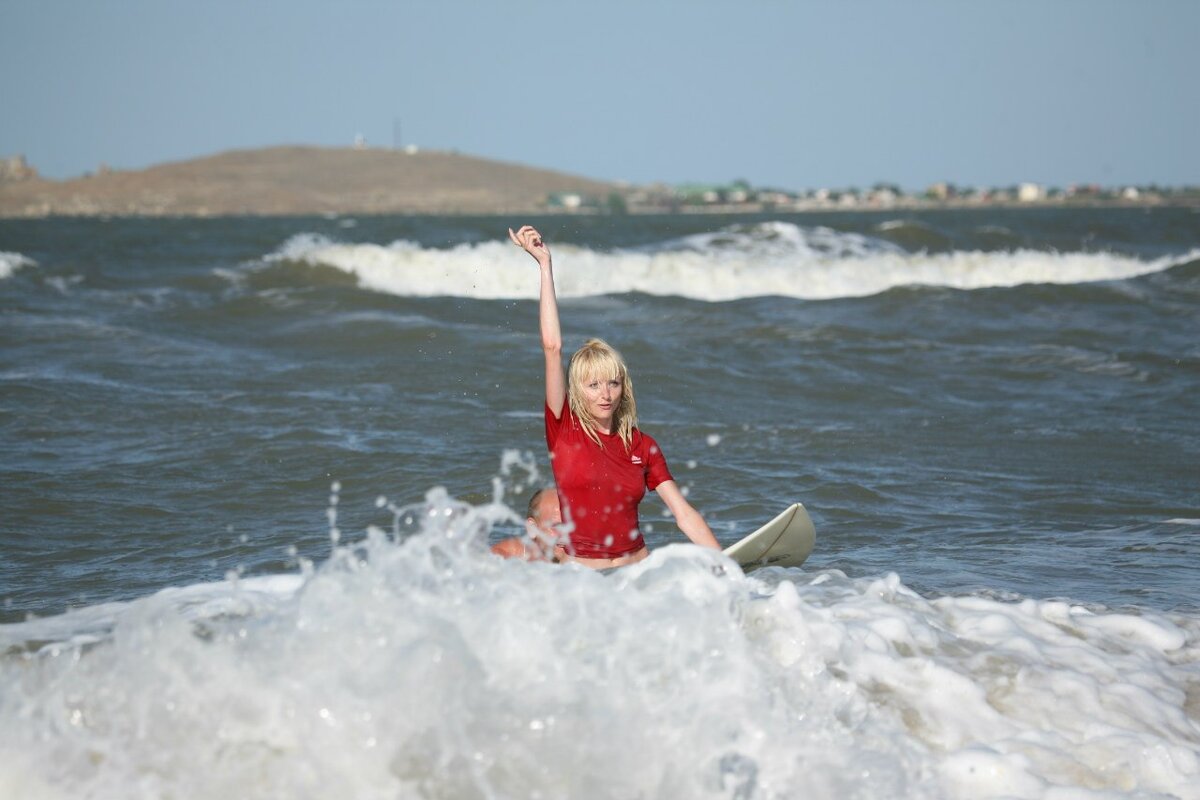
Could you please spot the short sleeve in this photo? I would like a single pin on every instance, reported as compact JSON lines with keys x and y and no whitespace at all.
{"x":553,"y":426}
{"x":656,"y":469}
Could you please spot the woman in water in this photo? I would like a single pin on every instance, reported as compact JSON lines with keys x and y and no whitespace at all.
{"x":602,"y":463}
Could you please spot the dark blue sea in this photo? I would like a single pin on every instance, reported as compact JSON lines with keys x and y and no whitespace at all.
{"x":249,"y":468}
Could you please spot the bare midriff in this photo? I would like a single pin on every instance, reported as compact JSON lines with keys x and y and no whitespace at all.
{"x":562,"y":556}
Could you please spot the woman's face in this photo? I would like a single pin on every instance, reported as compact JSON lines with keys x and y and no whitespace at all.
{"x":602,"y":396}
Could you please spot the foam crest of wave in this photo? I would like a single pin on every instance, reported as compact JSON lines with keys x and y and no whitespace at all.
{"x":415,"y":664}
{"x":751,"y":261}
{"x":764,"y":240}
{"x":11,"y":262}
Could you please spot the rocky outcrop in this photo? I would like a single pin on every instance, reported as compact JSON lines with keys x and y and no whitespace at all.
{"x":14,"y":169}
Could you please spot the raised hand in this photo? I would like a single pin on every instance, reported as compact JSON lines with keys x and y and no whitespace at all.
{"x":529,"y":240}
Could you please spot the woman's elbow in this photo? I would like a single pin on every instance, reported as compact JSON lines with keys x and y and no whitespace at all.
{"x":553,"y":347}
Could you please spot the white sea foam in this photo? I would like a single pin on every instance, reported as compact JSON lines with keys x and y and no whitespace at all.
{"x":749,"y":261}
{"x":421,"y":666}
{"x":11,"y":262}
{"x":85,"y":626}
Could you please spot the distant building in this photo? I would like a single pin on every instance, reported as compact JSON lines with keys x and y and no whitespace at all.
{"x":1030,"y":192}
{"x":776,"y":197}
{"x":16,"y":168}
{"x":940,"y":191}
{"x":884,"y":197}
{"x":698,"y":194}
{"x":565,"y":200}
{"x":1086,"y":190}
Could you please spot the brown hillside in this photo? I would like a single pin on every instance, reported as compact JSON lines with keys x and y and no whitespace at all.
{"x":301,"y":180}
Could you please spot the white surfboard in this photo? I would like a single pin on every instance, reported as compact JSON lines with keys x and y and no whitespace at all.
{"x":785,"y":541}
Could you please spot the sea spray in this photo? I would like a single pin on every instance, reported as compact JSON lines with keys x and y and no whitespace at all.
{"x":414,"y":663}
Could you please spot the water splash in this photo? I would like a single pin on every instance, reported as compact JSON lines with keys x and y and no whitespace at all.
{"x":413,"y":663}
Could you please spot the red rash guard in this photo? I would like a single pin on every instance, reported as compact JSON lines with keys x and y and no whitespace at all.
{"x":600,"y":487}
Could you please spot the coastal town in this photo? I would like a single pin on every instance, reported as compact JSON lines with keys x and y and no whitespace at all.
{"x":741,"y":197}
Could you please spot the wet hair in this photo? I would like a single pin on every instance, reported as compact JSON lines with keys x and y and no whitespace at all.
{"x":598,"y":359}
{"x":534,"y":511}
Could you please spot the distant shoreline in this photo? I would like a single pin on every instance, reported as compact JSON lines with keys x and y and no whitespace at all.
{"x":300,"y":181}
{"x":739,"y":210}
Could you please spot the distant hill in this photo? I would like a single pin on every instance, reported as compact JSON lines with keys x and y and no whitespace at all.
{"x":301,"y":180}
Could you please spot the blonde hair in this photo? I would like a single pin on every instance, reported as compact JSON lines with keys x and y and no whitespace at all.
{"x":598,"y":359}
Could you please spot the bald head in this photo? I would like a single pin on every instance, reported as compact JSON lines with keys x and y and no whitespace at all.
{"x":544,"y":511}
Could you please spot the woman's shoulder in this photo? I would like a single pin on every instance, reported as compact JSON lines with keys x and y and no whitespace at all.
{"x":565,"y":415}
{"x":640,"y":440}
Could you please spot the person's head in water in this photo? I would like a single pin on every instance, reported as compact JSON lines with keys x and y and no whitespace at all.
{"x":543,"y":511}
{"x":542,"y":520}
{"x":600,"y":391}
{"x":542,"y":516}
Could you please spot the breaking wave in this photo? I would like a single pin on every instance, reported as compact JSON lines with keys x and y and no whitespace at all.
{"x":11,"y":262}
{"x":742,"y":261}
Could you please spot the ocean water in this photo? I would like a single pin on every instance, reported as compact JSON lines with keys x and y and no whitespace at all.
{"x":249,"y":469}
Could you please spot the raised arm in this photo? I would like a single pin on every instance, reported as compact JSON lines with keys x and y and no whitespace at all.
{"x":529,"y":240}
{"x":687,"y":518}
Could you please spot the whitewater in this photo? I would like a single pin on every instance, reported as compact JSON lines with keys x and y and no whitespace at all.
{"x":759,"y":260}
{"x":419,"y":665}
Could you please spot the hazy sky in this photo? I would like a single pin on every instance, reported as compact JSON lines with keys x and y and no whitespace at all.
{"x":789,"y":94}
